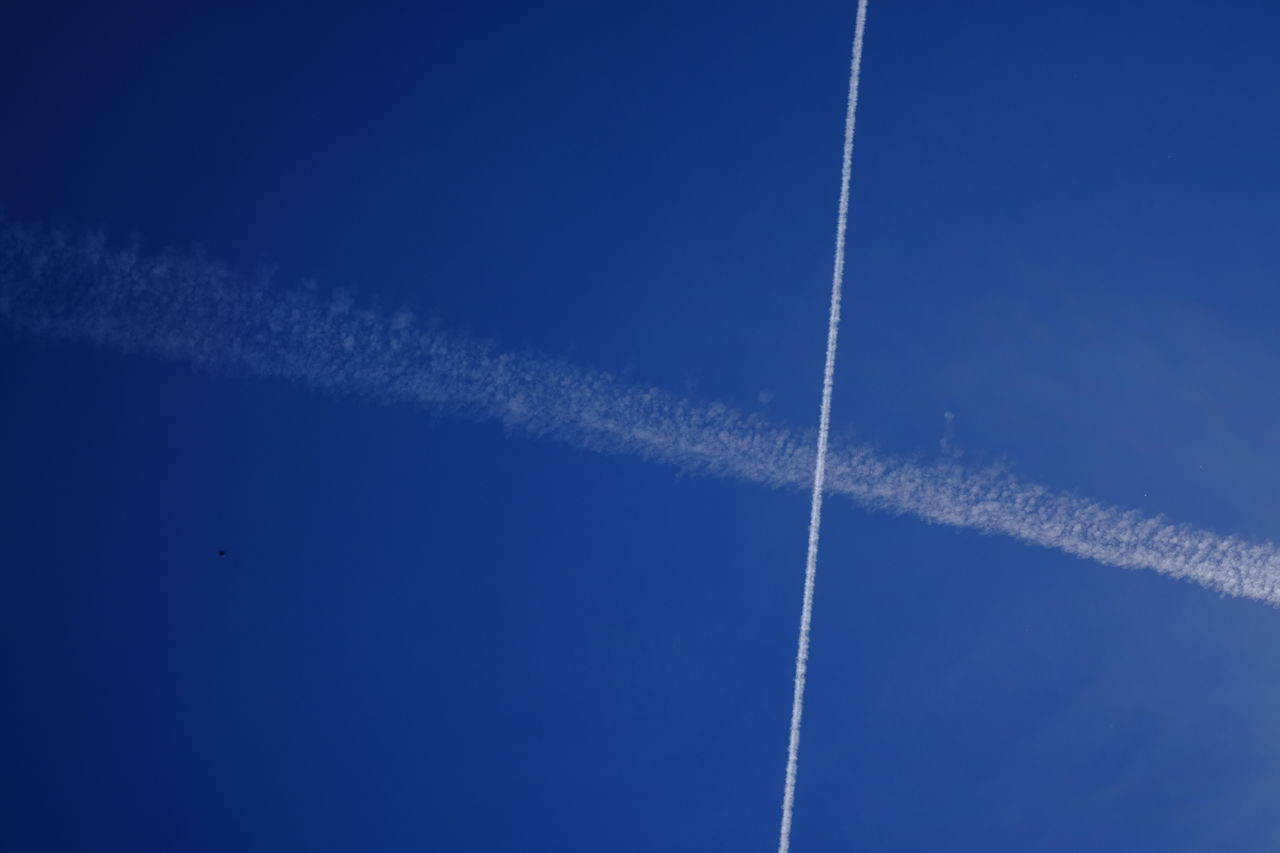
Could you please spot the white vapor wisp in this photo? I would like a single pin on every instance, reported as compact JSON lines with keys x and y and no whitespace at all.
{"x":187,"y":308}
{"x":824,"y":433}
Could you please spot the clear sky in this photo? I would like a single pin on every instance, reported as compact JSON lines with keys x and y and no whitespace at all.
{"x":435,"y":632}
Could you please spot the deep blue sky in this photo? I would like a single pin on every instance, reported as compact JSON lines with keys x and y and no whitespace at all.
{"x":438,"y":635}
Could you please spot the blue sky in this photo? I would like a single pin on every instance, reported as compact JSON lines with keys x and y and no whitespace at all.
{"x":432,"y":632}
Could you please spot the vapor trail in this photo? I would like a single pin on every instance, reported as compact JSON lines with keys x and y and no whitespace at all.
{"x":824,"y":431}
{"x":77,"y":288}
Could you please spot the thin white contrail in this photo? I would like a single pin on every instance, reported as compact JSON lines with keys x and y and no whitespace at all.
{"x":824,"y":431}
{"x":77,"y":288}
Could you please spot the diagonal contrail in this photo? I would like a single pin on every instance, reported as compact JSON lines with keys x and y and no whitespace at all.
{"x":186,"y":308}
{"x":77,"y":288}
{"x":824,"y":431}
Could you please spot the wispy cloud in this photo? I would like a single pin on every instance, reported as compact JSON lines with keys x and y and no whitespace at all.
{"x":184,"y":307}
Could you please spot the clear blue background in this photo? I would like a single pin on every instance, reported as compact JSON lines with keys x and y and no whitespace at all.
{"x":435,"y":635}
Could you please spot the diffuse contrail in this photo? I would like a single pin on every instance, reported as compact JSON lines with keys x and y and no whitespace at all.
{"x":824,"y":431}
{"x":77,"y":288}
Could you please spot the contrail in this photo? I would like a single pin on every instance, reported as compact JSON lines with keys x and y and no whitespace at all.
{"x":824,"y":431}
{"x":78,"y":288}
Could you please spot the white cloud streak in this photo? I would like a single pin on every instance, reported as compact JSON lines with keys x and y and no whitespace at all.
{"x":824,"y":433}
{"x":77,"y":288}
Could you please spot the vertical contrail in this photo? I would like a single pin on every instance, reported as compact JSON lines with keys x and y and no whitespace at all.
{"x":824,"y":429}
